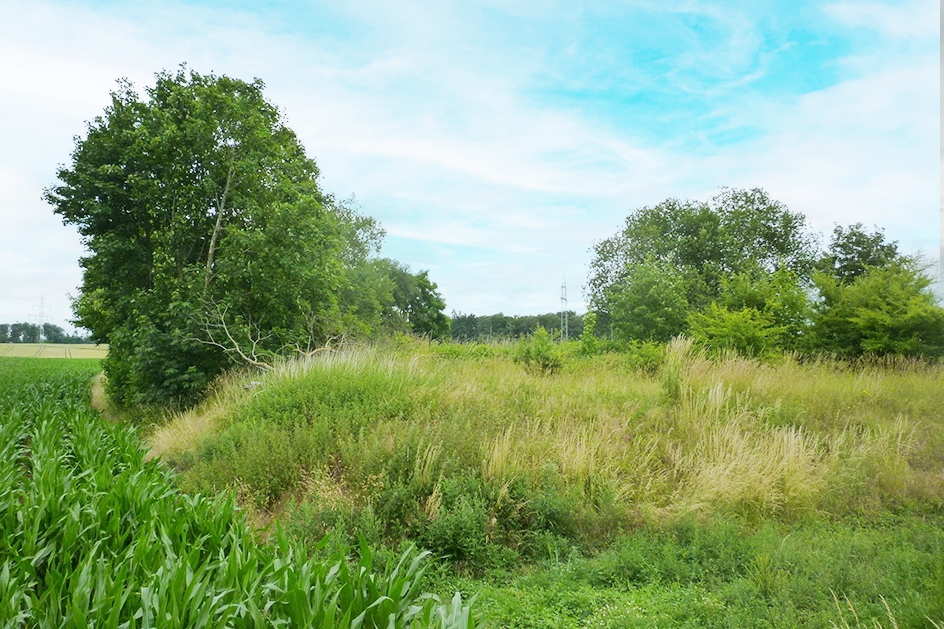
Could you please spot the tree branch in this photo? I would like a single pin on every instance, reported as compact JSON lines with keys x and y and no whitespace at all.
{"x":250,"y":355}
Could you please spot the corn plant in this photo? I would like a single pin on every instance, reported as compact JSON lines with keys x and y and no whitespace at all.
{"x":92,"y":535}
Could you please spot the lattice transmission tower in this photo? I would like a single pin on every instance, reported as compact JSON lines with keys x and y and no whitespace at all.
{"x":40,"y":315}
{"x":565,"y":332}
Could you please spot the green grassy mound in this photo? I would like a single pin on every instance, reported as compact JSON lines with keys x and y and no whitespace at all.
{"x":496,"y":466}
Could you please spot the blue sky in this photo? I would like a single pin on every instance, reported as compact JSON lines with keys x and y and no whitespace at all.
{"x":496,"y":141}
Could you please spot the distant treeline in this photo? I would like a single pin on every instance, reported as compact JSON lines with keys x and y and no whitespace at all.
{"x":470,"y":327}
{"x":32,"y":333}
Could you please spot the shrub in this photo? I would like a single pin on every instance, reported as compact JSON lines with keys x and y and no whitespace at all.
{"x":539,"y":353}
{"x":588,"y":338}
{"x":460,"y":530}
{"x":646,"y":356}
{"x":885,"y":311}
{"x":748,"y":331}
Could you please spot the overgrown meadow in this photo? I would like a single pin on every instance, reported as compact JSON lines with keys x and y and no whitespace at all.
{"x":95,"y":536}
{"x":652,"y":487}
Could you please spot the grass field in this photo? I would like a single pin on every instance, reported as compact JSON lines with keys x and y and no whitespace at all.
{"x":615,"y":493}
{"x":95,"y":536}
{"x":52,"y":350}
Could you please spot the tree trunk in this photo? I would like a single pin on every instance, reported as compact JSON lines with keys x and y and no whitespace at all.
{"x":220,"y":209}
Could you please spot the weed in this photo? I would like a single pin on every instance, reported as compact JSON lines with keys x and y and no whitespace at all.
{"x":677,"y":356}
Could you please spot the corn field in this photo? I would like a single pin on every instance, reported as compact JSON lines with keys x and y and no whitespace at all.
{"x":92,"y":535}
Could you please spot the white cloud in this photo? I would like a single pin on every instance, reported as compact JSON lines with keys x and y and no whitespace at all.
{"x":497,"y":195}
{"x":858,"y":151}
{"x":917,"y":19}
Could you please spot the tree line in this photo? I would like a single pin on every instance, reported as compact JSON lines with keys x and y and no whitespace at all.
{"x":743,"y":272}
{"x":485,"y":328}
{"x":33,"y":333}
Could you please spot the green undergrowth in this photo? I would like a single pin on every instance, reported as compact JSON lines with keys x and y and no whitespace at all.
{"x":722,"y":574}
{"x":93,"y":535}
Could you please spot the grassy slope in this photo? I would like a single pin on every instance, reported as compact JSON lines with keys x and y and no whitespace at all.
{"x":479,"y":460}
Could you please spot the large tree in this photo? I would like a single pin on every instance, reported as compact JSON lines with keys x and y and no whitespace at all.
{"x":416,"y":305}
{"x":700,"y":245}
{"x":208,"y":237}
{"x":853,"y":250}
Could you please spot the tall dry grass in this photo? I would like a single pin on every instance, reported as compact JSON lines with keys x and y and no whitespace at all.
{"x":702,"y":436}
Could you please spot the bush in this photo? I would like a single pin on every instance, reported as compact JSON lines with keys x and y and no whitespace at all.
{"x":539,"y":353}
{"x":645,"y":356}
{"x":749,"y":332}
{"x":885,"y":311}
{"x":460,"y":530}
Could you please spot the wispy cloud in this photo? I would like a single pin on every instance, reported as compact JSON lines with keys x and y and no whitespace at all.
{"x":917,"y":19}
{"x":497,"y":141}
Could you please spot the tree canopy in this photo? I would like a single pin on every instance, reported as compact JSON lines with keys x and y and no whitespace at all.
{"x":699,"y":246}
{"x":852,"y":251}
{"x":210,"y":240}
{"x":416,"y":302}
{"x":649,"y":302}
{"x":743,"y":272}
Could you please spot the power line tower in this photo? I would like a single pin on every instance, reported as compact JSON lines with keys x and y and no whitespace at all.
{"x":40,"y":315}
{"x":565,"y":333}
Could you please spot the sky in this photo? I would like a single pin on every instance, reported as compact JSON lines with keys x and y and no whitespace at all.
{"x":495,"y":142}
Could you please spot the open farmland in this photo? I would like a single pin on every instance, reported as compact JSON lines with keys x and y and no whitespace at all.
{"x":94,"y":536}
{"x":53,"y":350}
